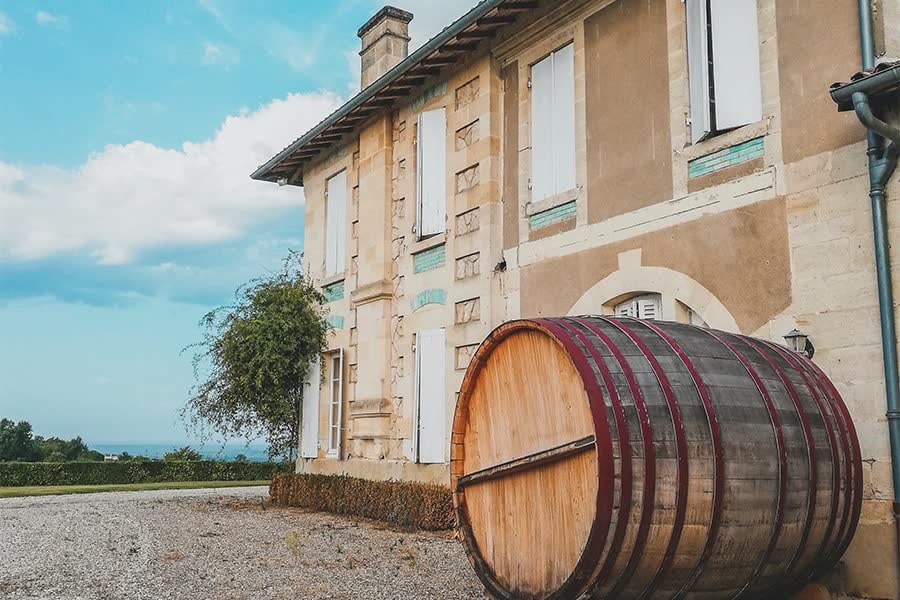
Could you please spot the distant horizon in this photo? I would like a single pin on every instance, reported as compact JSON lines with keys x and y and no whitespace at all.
{"x":127,"y":211}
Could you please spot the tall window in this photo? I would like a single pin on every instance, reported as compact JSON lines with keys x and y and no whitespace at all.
{"x":431,"y":173}
{"x":648,"y":306}
{"x":723,"y":57}
{"x":336,"y":225}
{"x":309,"y":433}
{"x":553,"y":124}
{"x":335,"y":402}
{"x":431,"y":409}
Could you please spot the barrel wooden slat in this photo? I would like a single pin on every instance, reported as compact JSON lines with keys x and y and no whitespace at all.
{"x":721,"y":466}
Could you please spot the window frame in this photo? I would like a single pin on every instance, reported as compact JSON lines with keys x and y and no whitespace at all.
{"x":553,"y":132}
{"x":633,"y":307}
{"x":440,"y":333}
{"x":309,"y":419}
{"x":720,"y":101}
{"x":335,"y":402}
{"x":336,"y":224}
{"x":431,"y":196}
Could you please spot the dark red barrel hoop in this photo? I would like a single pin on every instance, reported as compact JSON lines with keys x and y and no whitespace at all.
{"x":715,"y":434}
{"x":649,"y":495}
{"x":782,"y":462}
{"x":681,"y":456}
{"x":606,"y":475}
{"x":857,"y":464}
{"x":852,"y":462}
{"x":829,"y":428}
{"x":614,"y":357}
{"x":810,"y":451}
{"x":624,"y":451}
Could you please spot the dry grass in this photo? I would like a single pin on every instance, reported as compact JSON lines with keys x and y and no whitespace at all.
{"x":405,"y":505}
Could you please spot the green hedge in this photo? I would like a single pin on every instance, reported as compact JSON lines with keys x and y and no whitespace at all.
{"x":409,"y":505}
{"x":103,"y":473}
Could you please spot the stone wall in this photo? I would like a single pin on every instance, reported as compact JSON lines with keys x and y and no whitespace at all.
{"x":759,"y":230}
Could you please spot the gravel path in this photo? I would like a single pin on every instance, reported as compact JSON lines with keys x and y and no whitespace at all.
{"x":215,"y":544}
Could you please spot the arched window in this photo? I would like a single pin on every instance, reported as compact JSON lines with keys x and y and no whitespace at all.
{"x":647,"y":306}
{"x":650,"y":306}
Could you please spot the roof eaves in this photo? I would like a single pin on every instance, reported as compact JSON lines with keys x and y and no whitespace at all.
{"x":447,"y":35}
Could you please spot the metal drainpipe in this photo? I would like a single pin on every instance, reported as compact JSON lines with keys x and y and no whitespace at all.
{"x":882,"y":163}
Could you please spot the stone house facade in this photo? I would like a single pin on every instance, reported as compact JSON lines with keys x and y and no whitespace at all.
{"x":662,"y":159}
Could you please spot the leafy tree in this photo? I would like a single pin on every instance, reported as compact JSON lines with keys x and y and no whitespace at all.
{"x":16,"y":441}
{"x":56,"y":457}
{"x":72,"y":450}
{"x":186,"y":454}
{"x":255,"y":355}
{"x":241,"y":458}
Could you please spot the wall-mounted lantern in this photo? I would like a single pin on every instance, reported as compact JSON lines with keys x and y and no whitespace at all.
{"x":799,"y":342}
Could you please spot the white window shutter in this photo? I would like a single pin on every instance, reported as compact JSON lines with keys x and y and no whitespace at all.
{"x":736,"y":73}
{"x":335,"y":403}
{"x":542,"y":164}
{"x":432,"y":409}
{"x":649,"y":307}
{"x":309,"y":430}
{"x":627,"y":309}
{"x":698,"y":69}
{"x":336,"y":225}
{"x":432,"y":173}
{"x":564,"y":118}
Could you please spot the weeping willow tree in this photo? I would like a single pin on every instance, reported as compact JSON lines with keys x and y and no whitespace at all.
{"x":254,"y":357}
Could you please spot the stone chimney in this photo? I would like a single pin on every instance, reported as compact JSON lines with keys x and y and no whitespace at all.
{"x":385,"y":43}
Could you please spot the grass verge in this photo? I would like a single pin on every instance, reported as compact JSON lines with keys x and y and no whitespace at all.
{"x":60,"y":490}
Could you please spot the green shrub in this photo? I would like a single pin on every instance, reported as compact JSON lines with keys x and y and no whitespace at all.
{"x":409,"y":505}
{"x":93,"y":473}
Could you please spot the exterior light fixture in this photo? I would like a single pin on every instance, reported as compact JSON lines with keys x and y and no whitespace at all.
{"x":799,"y":342}
{"x":282,"y":182}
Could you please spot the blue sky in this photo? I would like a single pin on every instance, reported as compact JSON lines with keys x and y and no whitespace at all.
{"x":127,"y":134}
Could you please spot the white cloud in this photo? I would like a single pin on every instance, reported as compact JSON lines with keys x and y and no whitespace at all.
{"x":219,"y":54}
{"x":44,"y":18}
{"x":6,"y":25}
{"x":138,"y":196}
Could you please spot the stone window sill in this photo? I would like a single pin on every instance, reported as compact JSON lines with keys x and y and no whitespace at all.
{"x":333,"y":279}
{"x":726,"y":140}
{"x":428,"y":243}
{"x":533,"y":208}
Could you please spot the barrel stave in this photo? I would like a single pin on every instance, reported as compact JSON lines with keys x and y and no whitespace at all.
{"x":729,"y":464}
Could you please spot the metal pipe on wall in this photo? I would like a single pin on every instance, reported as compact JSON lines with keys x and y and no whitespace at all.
{"x":882,"y":162}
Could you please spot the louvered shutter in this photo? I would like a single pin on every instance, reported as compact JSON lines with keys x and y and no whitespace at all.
{"x":431,"y":402}
{"x":432,"y":173}
{"x":542,"y":167}
{"x":309,"y":436}
{"x":735,"y":32}
{"x":698,"y":69}
{"x":335,"y":225}
{"x":649,"y":307}
{"x":627,"y":309}
{"x":564,"y":119}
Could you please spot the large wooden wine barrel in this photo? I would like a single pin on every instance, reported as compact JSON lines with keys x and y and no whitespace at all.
{"x":617,"y":458}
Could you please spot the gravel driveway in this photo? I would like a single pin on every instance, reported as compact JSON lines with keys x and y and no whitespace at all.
{"x":215,"y":544}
